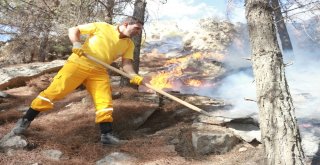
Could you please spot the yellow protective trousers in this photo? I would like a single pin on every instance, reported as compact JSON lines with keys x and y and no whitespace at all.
{"x":71,"y":75}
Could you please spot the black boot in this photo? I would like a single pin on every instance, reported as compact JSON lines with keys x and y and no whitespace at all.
{"x":106,"y":134}
{"x":25,"y":121}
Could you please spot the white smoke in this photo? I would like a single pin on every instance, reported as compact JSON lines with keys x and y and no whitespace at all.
{"x":237,"y":89}
{"x":301,"y":76}
{"x":303,"y":80}
{"x":304,"y":86}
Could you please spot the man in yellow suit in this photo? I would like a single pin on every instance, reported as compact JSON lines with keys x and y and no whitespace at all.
{"x":105,"y":42}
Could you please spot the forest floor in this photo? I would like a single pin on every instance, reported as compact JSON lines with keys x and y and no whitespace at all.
{"x":164,"y":138}
{"x":70,"y":128}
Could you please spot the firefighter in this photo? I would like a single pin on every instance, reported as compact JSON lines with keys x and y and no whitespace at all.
{"x":105,"y":42}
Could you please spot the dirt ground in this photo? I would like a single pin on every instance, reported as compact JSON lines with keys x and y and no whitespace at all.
{"x":163,"y":139}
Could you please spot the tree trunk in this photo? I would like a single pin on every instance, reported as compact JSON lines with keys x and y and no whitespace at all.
{"x":44,"y":38}
{"x":282,"y":28}
{"x":139,"y":12}
{"x":109,"y":7}
{"x":279,"y":130}
{"x":108,"y":12}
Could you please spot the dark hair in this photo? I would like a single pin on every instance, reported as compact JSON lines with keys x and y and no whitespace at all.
{"x":131,"y":20}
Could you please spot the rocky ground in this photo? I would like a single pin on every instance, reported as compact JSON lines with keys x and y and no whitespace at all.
{"x":69,"y":129}
{"x":155,"y":130}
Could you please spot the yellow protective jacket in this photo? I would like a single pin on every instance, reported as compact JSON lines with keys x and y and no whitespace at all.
{"x":102,"y":42}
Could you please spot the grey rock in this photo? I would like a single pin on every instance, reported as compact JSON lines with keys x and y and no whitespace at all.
{"x":117,"y":158}
{"x":247,"y":132}
{"x":52,"y":154}
{"x":3,"y":95}
{"x":17,"y":75}
{"x":12,"y":141}
{"x":208,"y":139}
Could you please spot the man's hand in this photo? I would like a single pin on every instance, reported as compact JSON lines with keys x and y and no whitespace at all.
{"x":76,"y":48}
{"x":136,"y":79}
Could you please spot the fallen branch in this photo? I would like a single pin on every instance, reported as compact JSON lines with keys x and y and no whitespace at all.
{"x":248,"y":99}
{"x":246,"y":58}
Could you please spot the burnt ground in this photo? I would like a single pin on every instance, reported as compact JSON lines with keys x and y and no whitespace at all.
{"x":164,"y":138}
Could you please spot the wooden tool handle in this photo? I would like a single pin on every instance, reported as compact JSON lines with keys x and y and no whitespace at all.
{"x":177,"y":99}
{"x":150,"y":86}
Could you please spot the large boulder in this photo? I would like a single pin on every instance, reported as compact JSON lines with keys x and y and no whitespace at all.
{"x":17,"y":75}
{"x":208,"y":139}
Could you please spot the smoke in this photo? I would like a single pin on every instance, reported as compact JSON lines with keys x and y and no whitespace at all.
{"x":237,"y":89}
{"x":302,"y":77}
{"x":304,"y":83}
{"x":238,"y":53}
{"x":302,"y":70}
{"x":238,"y":85}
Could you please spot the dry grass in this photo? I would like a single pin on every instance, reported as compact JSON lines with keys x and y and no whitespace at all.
{"x":70,"y":128}
{"x":41,"y":82}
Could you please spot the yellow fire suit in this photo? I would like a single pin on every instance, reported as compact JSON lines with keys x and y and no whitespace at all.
{"x":103,"y":42}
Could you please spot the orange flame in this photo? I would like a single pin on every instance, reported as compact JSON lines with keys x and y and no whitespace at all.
{"x":194,"y":82}
{"x":165,"y":79}
{"x":176,"y":61}
{"x":161,"y":80}
{"x":197,"y":56}
{"x":177,"y":71}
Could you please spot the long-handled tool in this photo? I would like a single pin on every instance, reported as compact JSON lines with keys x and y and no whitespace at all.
{"x":150,"y":86}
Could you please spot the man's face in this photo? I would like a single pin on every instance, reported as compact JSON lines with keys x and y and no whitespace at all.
{"x":132,"y":30}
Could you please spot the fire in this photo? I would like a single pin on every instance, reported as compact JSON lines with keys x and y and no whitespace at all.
{"x":176,"y":61}
{"x":197,"y":56}
{"x":161,"y":80}
{"x":177,"y":71}
{"x":181,"y":60}
{"x":171,"y":78}
{"x":194,"y":82}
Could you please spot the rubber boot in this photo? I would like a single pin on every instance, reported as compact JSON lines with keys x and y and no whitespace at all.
{"x":106,"y":134}
{"x":25,"y":121}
